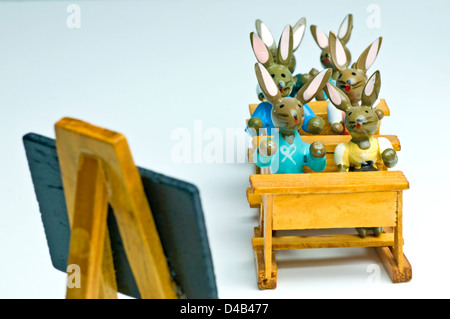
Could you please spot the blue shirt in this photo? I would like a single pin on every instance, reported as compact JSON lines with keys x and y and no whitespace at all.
{"x":290,"y":158}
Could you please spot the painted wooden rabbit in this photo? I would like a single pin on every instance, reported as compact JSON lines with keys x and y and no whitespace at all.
{"x":364,"y":150}
{"x":350,"y":79}
{"x":282,"y":77}
{"x":266,"y":36}
{"x":344,"y":33}
{"x":286,"y":153}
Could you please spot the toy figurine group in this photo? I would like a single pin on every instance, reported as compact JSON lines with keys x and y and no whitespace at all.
{"x":284,"y":109}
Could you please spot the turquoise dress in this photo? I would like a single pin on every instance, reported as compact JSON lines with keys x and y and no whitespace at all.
{"x":290,"y":158}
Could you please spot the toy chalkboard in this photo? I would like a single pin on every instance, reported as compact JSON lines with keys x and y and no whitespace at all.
{"x":180,"y":223}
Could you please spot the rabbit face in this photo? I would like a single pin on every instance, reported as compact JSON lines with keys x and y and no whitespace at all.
{"x":287,"y":112}
{"x":288,"y":115}
{"x":321,"y":39}
{"x":282,"y":78}
{"x":325,"y":59}
{"x":351,"y":81}
{"x":361,"y":122}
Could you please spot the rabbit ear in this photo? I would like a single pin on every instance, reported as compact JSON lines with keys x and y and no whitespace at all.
{"x":314,"y":86}
{"x":267,"y":84}
{"x":345,"y":29}
{"x":285,"y":46}
{"x":337,"y":52}
{"x":265,"y":34}
{"x":337,"y":97}
{"x":371,"y":90}
{"x":299,"y":31}
{"x":320,"y":37}
{"x":369,"y":55}
{"x":260,"y":50}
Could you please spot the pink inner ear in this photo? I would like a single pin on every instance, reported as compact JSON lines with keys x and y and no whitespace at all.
{"x":322,"y":38}
{"x":260,"y":50}
{"x":298,"y":36}
{"x":334,"y":95}
{"x":369,"y":86}
{"x":284,"y":43}
{"x":341,"y":57}
{"x":313,"y":87}
{"x":373,"y":52}
{"x":270,"y":85}
{"x":343,"y":28}
{"x":266,"y":35}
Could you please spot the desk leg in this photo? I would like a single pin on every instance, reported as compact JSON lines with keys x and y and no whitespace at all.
{"x":268,"y":206}
{"x":394,"y":261}
{"x":398,"y":233}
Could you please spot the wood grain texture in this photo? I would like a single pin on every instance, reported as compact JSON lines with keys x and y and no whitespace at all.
{"x":328,"y":183}
{"x":125,"y":195}
{"x":346,"y":210}
{"x":88,"y":230}
{"x":324,"y":241}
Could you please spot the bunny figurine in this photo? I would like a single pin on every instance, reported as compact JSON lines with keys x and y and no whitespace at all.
{"x":361,"y":121}
{"x":282,"y":77}
{"x":344,"y":33}
{"x":286,"y":153}
{"x":266,"y":36}
{"x":350,"y":79}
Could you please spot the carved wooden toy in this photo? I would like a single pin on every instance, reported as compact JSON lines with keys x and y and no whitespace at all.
{"x":364,"y":150}
{"x":331,"y":201}
{"x":266,"y":36}
{"x":278,"y":69}
{"x":344,"y":33}
{"x":351,"y":79}
{"x":123,"y":226}
{"x":287,"y":153}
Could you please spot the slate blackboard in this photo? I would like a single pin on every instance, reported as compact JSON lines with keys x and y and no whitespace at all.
{"x":176,"y":209}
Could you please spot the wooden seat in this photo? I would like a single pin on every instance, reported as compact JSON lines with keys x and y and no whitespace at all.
{"x":330,"y":142}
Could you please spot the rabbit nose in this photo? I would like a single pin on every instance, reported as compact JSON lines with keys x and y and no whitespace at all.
{"x":281,"y":84}
{"x":349,"y":82}
{"x":294,"y":115}
{"x":361,"y":119}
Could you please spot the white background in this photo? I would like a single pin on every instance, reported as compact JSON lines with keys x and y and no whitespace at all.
{"x":147,"y":68}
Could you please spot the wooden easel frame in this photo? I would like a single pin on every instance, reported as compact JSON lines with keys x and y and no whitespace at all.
{"x":97,"y":169}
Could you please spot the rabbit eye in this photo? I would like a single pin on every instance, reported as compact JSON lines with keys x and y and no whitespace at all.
{"x":349,"y":114}
{"x":273,"y":75}
{"x":283,"y":75}
{"x":300,"y":105}
{"x":281,"y":106}
{"x":367,"y":111}
{"x":353,"y":73}
{"x":340,"y":75}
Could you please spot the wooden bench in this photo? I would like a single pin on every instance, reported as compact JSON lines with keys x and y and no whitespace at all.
{"x":328,"y":201}
{"x":330,"y":142}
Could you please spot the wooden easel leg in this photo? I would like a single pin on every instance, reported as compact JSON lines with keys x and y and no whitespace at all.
{"x":108,"y":282}
{"x":89,"y":228}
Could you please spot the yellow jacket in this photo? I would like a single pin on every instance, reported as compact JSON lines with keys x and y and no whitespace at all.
{"x":349,"y":154}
